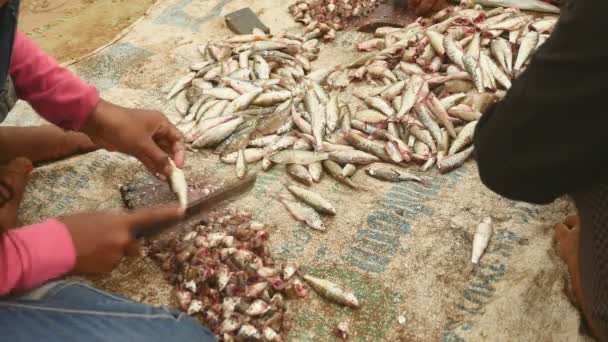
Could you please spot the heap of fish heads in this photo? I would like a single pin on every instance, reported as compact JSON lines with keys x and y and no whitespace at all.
{"x":224,"y":275}
{"x":329,"y":16}
{"x":418,"y":94}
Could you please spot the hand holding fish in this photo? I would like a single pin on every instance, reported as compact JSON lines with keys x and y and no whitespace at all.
{"x":145,"y":134}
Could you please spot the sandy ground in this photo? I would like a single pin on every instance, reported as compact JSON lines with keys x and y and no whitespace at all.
{"x":68,"y":29}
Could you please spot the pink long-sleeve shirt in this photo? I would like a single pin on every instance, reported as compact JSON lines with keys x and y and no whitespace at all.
{"x":32,"y":255}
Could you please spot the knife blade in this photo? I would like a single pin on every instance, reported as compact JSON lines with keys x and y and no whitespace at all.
{"x":197,"y":207}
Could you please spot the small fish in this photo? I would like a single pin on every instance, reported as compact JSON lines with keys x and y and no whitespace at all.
{"x":352,"y":157}
{"x":527,"y":46}
{"x":481,"y":239}
{"x":472,"y":67}
{"x":215,"y":110}
{"x":304,"y":213}
{"x":450,"y":163}
{"x":465,"y":137}
{"x":393,"y":151}
{"x":217,"y":134}
{"x":266,"y":164}
{"x":371,"y":116}
{"x":502,"y":53}
{"x":345,"y":120}
{"x":332,"y":291}
{"x":261,"y":67}
{"x":332,"y":113}
{"x":297,"y":157}
{"x":222,"y":93}
{"x":179,"y":185}
{"x":410,"y":95}
{"x":318,"y":124}
{"x":436,"y":41}
{"x":425,"y":117}
{"x":283,"y":142}
{"x":299,"y":173}
{"x":392,"y":91}
{"x":474,"y":46}
{"x":181,"y":103}
{"x":336,"y":172}
{"x":464,"y":112}
{"x":264,"y":141}
{"x":452,"y":100}
{"x":366,"y":145}
{"x":272,"y":98}
{"x":241,"y":165}
{"x":312,"y":199}
{"x":453,"y":51}
{"x":316,"y":171}
{"x":349,"y":170}
{"x":242,"y":102}
{"x":440,"y":113}
{"x":411,"y":68}
{"x":180,"y":84}
{"x":487,"y":74}
{"x":380,"y":105}
{"x":423,"y":135}
{"x":391,"y":174}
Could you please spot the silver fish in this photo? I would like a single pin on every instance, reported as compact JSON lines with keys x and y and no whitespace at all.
{"x":316,"y":171}
{"x":352,"y":157}
{"x":332,"y":113}
{"x":349,"y":170}
{"x":425,"y":117}
{"x":297,"y":157}
{"x":299,"y":173}
{"x":180,"y":84}
{"x":391,"y":174}
{"x":271,"y":98}
{"x":472,"y":67}
{"x":242,"y":102}
{"x":336,"y":171}
{"x":312,"y":199}
{"x":217,"y":134}
{"x":450,"y":163}
{"x":465,"y":137}
{"x":304,"y":213}
{"x":527,"y":46}
{"x":464,"y":112}
{"x":332,"y":291}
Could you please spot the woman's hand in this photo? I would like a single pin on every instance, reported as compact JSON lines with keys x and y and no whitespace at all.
{"x":102,"y":240}
{"x":145,"y":134}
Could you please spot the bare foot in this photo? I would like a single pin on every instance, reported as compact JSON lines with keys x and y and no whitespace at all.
{"x":13,"y":178}
{"x":567,"y":236}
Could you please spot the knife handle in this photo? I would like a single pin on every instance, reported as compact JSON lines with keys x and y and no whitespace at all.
{"x":153,"y":229}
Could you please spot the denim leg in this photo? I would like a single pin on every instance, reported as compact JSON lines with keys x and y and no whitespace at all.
{"x":70,"y":312}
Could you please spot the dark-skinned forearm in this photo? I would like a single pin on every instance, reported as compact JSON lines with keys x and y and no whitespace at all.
{"x":40,"y":143}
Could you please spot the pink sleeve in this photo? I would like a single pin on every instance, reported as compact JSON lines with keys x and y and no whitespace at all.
{"x":32,"y":255}
{"x":53,"y":91}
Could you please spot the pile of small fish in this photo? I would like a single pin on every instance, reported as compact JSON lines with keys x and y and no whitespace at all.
{"x":328,"y":16}
{"x":418,"y":94}
{"x":225,"y":275}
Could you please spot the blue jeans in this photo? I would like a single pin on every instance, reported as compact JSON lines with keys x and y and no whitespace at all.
{"x":70,"y":311}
